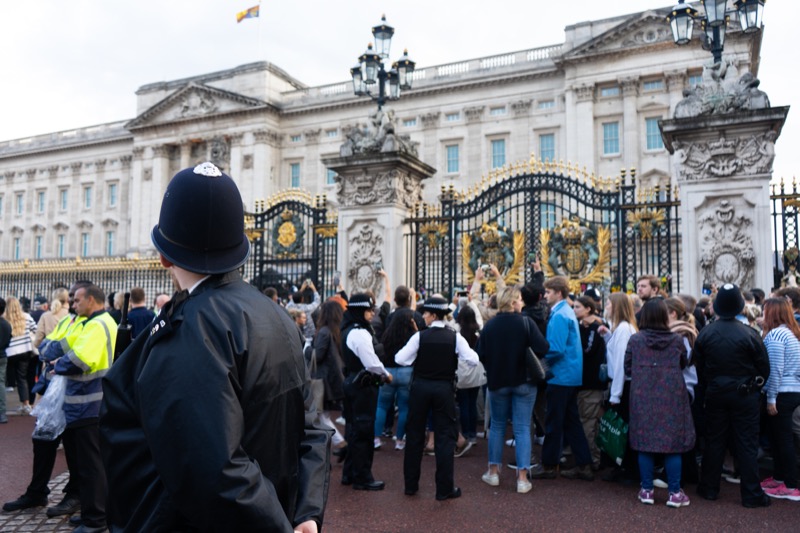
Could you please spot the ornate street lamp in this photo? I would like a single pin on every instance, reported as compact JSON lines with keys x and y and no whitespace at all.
{"x":682,"y":17}
{"x":371,"y":70}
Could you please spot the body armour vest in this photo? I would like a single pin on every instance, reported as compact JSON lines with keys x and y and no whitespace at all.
{"x":436,"y":356}
{"x":352,"y":364}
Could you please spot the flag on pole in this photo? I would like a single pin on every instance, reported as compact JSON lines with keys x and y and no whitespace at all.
{"x":247,"y":14}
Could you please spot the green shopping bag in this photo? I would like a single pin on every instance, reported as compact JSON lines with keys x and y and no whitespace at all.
{"x":612,"y":435}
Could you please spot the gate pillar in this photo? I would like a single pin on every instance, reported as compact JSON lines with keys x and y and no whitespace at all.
{"x":722,"y":141}
{"x":376,"y":191}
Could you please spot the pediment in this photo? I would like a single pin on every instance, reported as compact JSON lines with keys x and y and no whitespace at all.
{"x":195,"y":101}
{"x":646,"y":29}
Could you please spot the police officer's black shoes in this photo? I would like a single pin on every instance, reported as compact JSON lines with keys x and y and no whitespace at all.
{"x":455,"y":494}
{"x":372,"y":485}
{"x":764,"y":501}
{"x":346,"y":480}
{"x":410,"y":492}
{"x":24,"y":502}
{"x":68,"y":505}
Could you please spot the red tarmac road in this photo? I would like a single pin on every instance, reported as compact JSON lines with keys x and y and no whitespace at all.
{"x":559,"y":505}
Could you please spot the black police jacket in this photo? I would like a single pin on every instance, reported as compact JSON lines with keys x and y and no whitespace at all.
{"x":728,"y":354}
{"x":204,"y":424}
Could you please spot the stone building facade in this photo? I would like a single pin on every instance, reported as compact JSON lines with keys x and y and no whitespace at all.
{"x":593,"y":100}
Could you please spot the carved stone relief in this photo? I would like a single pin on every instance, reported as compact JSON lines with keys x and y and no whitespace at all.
{"x":630,"y":86}
{"x":195,"y":104}
{"x":726,"y":245}
{"x":147,"y":174}
{"x":647,"y":35}
{"x":393,"y":186}
{"x":521,"y":107}
{"x":366,"y":252}
{"x":380,"y":137}
{"x":722,"y":91}
{"x":218,"y":152}
{"x":585,"y":93}
{"x":430,"y":120}
{"x":696,"y":161}
{"x":473,"y":113}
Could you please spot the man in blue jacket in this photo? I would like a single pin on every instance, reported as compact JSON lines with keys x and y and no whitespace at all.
{"x":565,"y":359}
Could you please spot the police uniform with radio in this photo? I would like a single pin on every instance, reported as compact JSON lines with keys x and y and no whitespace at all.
{"x":434,"y":353}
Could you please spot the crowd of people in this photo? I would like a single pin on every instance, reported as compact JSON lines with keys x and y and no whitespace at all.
{"x":222,"y":364}
{"x":697,"y":381}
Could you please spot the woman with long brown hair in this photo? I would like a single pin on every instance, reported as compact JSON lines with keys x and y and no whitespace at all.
{"x":20,"y":349}
{"x":781,"y":334}
{"x":327,"y":340}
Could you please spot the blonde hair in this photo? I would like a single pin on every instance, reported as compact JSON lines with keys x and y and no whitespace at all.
{"x":506,"y":297}
{"x":59,"y":299}
{"x":15,"y":317}
{"x":621,"y":310}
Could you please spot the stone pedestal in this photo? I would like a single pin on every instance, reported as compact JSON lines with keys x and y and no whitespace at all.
{"x":723,"y":165}
{"x":376,"y":192}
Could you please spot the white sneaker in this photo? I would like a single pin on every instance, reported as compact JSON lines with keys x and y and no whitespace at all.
{"x":400,"y":444}
{"x":523,"y":486}
{"x":377,"y":443}
{"x":491,"y":479}
{"x":511,"y":442}
{"x":341,"y":421}
{"x":659,"y":483}
{"x":25,"y":409}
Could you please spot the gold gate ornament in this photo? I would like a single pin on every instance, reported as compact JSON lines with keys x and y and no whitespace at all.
{"x":577,"y":250}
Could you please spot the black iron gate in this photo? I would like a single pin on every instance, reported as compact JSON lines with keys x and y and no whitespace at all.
{"x":786,"y":233}
{"x":601,"y":232}
{"x":294,"y":238}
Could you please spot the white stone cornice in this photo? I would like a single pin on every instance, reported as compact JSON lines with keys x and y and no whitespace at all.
{"x":85,"y":224}
{"x":630,"y":85}
{"x":75,"y":166}
{"x":267,"y":136}
{"x":109,"y":223}
{"x":61,"y":226}
{"x":38,"y":228}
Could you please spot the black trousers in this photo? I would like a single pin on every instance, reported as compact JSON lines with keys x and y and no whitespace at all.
{"x":736,"y":414}
{"x":84,"y":443}
{"x":563,"y":423}
{"x":360,"y":404}
{"x":437,"y":397}
{"x":782,"y":438}
{"x":44,"y":459}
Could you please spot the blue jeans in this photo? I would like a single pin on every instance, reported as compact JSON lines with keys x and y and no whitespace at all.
{"x":398,"y":388}
{"x":515,"y":403}
{"x":672,"y":465}
{"x":468,"y":411}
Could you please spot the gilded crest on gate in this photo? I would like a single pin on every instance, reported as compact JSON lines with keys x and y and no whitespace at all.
{"x":287,"y":236}
{"x":493,"y":244}
{"x":578,"y":250}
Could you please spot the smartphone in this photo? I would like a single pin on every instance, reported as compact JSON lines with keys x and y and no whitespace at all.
{"x":706,"y":288}
{"x":379,"y":265}
{"x":337,"y":278}
{"x":532,"y":257}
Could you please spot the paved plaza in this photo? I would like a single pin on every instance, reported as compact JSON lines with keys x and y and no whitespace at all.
{"x":560,"y":505}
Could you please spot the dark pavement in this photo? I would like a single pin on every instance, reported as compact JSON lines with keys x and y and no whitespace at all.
{"x":558,"y":505}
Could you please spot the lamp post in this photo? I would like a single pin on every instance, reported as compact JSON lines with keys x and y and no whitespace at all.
{"x":370,"y":69}
{"x":682,"y":17}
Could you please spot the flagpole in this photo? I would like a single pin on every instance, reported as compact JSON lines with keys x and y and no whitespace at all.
{"x":260,"y":49}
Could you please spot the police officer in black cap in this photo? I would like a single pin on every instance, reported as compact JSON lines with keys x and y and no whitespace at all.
{"x":364,"y":373}
{"x":204,"y":424}
{"x":434,"y":352}
{"x":732,"y":364}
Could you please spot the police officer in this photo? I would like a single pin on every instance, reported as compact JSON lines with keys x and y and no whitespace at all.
{"x":364,"y":373}
{"x":434,"y":352}
{"x":732,"y":364}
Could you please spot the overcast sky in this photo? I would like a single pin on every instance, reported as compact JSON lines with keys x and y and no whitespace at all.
{"x":75,"y":63}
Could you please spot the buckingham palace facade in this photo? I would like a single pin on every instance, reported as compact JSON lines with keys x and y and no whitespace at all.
{"x":593,"y":100}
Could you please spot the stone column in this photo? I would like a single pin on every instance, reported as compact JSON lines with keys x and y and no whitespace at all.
{"x":264,"y":184}
{"x":138,"y":184}
{"x":630,"y":122}
{"x":376,"y":192}
{"x":723,"y":164}
{"x":676,"y":81}
{"x":582,"y":138}
{"x":186,"y":154}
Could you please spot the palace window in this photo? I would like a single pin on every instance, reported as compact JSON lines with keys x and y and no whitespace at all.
{"x":37,"y":249}
{"x":84,"y":244}
{"x":452,"y":117}
{"x":451,"y":152}
{"x":40,"y":202}
{"x":331,"y":133}
{"x":331,"y":177}
{"x":63,"y":197}
{"x":294,"y":173}
{"x":62,"y":245}
{"x":547,"y":147}
{"x":546,"y":104}
{"x":112,"y":195}
{"x":610,"y":138}
{"x":498,"y":153}
{"x":20,"y":203}
{"x":654,"y":140}
{"x":497,"y":111}
{"x":87,"y":197}
{"x":296,"y":138}
{"x":410,"y":122}
{"x":609,"y":91}
{"x":17,"y":248}
{"x":653,"y":85}
{"x":110,"y":243}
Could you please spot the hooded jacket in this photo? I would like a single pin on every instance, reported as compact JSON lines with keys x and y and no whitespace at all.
{"x":204,"y":424}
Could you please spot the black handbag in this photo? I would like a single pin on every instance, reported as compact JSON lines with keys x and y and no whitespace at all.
{"x":537,"y":371}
